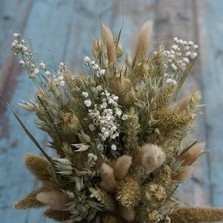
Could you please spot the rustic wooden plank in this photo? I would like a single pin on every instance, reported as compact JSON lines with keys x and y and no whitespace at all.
{"x":211,"y":79}
{"x":179,"y":18}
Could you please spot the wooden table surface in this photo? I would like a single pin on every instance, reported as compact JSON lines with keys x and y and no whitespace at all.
{"x":62,"y":30}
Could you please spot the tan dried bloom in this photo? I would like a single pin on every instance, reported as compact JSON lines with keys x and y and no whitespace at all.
{"x":151,"y":157}
{"x":109,"y":42}
{"x":143,"y":41}
{"x":127,"y":213}
{"x":184,"y":175}
{"x":55,"y":199}
{"x":121,"y":166}
{"x":120,"y":85}
{"x":107,"y":176}
{"x":192,"y":154}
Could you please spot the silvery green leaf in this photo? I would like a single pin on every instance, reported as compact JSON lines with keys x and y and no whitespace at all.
{"x":62,"y":160}
{"x":65,"y":172}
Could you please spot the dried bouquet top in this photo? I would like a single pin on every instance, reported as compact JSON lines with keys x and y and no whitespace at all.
{"x":121,"y":133}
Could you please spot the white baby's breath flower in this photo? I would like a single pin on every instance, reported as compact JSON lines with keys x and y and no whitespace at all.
{"x":42,"y":65}
{"x":22,"y":62}
{"x":113,"y":147}
{"x":36,"y":71}
{"x":99,"y":88}
{"x":92,"y":156}
{"x":87,"y":103}
{"x":16,"y":35}
{"x":47,"y":72}
{"x":91,"y":127}
{"x":85,"y":94}
{"x":86,"y":60}
{"x":95,"y":67}
{"x":62,"y":83}
{"x":170,"y":80}
{"x":124,"y":117}
{"x":193,"y":55}
{"x":102,"y":71}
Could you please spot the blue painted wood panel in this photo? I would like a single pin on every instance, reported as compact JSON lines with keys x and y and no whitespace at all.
{"x":62,"y":31}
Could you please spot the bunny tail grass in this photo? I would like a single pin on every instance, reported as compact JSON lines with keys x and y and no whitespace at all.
{"x":196,"y":214}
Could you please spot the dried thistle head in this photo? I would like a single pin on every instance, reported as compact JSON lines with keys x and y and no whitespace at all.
{"x":128,"y":192}
{"x":154,"y":195}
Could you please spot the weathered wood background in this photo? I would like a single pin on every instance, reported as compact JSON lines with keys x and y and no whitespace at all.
{"x":61,"y":30}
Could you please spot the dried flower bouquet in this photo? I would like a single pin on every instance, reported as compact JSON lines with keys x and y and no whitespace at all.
{"x":121,"y":133}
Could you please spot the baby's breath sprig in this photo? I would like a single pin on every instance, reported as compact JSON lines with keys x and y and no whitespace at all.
{"x":23,"y":50}
{"x":181,"y":55}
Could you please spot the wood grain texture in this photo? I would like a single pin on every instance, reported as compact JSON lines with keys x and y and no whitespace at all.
{"x":65,"y":29}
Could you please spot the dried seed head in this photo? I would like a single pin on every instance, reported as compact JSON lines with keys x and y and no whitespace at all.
{"x":128,"y":192}
{"x":120,"y":85}
{"x":151,"y":157}
{"x":155,"y":195}
{"x":68,"y":123}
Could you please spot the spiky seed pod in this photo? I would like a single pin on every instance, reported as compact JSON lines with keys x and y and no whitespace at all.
{"x":68,"y":123}
{"x":143,"y":41}
{"x":132,"y":128}
{"x":184,"y":175}
{"x":150,"y":157}
{"x":170,"y":120}
{"x":120,"y":85}
{"x":128,"y":192}
{"x":127,"y":213}
{"x":30,"y":201}
{"x":104,"y":198}
{"x":154,"y":195}
{"x":55,"y":199}
{"x":57,"y":215}
{"x":165,"y":97}
{"x":39,"y":166}
{"x":108,"y":181}
{"x":109,"y":42}
{"x":196,"y":214}
{"x":192,"y":154}
{"x":163,"y":175}
{"x":121,"y":166}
